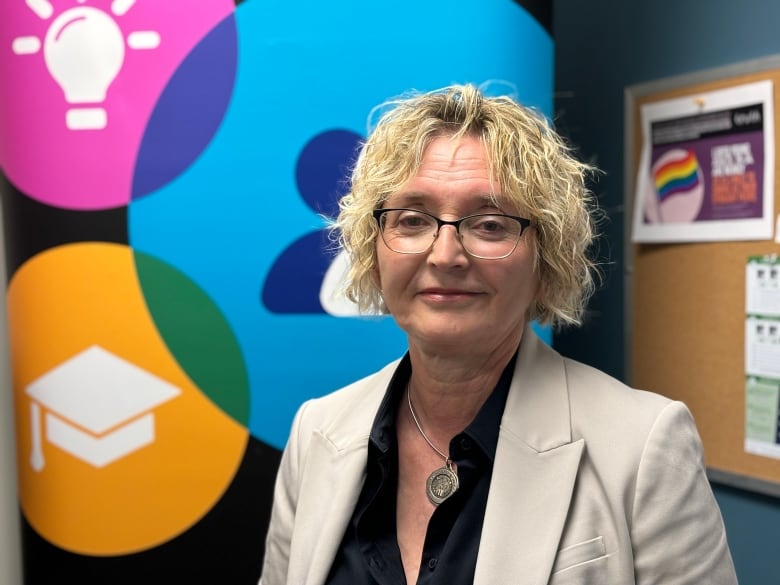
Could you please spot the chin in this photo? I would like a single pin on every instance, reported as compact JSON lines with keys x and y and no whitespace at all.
{"x":447,"y":332}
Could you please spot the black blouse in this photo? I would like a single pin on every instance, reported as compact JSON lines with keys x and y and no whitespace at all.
{"x":369,"y":552}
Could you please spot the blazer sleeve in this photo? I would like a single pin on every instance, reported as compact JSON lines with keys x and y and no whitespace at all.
{"x":677,"y":532}
{"x":285,"y":501}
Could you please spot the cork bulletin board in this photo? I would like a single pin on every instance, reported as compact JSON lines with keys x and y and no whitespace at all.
{"x":685,"y":302}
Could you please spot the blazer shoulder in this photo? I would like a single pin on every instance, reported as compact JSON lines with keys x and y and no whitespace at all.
{"x":584,"y":379}
{"x":600,"y":403}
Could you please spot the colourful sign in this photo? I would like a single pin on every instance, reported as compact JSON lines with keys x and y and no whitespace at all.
{"x":167,"y":176}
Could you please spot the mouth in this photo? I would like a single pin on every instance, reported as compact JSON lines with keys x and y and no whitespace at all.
{"x":446,"y":294}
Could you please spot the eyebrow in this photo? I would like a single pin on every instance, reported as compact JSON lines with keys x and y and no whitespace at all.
{"x":419,"y":198}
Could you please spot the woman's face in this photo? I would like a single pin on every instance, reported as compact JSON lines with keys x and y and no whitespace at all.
{"x":444,"y":297}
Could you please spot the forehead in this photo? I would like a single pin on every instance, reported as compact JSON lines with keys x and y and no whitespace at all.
{"x":451,"y":170}
{"x":455,"y":154}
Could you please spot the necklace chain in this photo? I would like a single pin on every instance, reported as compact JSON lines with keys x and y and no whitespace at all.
{"x":419,"y":427}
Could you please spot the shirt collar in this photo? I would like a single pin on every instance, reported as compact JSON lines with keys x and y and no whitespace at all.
{"x":483,"y":430}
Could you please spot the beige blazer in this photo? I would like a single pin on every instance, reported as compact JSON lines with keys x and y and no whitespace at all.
{"x":594,"y":483}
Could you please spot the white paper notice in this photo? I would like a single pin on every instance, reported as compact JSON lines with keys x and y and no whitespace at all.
{"x":762,"y":356}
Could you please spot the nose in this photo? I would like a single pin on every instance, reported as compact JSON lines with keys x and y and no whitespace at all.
{"x":447,"y":249}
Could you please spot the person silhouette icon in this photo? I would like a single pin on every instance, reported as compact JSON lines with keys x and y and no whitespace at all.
{"x":306,"y":277}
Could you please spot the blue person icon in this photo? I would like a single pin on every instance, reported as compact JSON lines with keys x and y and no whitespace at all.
{"x":306,"y":276}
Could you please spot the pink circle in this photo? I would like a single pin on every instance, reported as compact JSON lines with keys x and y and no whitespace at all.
{"x":91,"y":167}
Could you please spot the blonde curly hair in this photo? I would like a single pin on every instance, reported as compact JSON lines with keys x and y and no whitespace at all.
{"x":535,"y":169}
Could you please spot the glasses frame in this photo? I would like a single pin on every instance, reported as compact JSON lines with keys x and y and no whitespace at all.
{"x":524,"y":224}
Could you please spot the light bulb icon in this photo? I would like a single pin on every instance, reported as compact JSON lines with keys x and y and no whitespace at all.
{"x":84,"y":51}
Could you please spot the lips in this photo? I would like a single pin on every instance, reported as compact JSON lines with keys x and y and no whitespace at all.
{"x":447,"y":293}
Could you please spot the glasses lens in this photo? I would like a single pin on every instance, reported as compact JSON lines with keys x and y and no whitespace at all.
{"x":407,"y":231}
{"x":490,"y":236}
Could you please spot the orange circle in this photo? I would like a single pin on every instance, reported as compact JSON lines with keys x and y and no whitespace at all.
{"x":60,"y":303}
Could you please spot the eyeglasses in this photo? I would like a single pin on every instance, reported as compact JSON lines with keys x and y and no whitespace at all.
{"x":490,"y":236}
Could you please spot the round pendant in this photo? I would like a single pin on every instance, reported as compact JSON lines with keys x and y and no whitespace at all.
{"x":441,"y":484}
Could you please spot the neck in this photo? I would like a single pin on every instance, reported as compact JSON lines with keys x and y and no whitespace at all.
{"x":448,"y":393}
{"x":442,"y":453}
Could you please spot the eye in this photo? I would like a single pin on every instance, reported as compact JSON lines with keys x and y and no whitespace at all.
{"x":410,"y":221}
{"x":492,"y":227}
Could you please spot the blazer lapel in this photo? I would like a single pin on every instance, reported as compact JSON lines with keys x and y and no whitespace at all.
{"x":534,"y":473}
{"x":334,"y":476}
{"x":327,"y":504}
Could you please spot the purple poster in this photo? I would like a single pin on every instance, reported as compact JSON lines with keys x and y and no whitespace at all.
{"x":703,"y":174}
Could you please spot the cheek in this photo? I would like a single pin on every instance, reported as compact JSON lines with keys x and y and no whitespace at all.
{"x":527,"y":285}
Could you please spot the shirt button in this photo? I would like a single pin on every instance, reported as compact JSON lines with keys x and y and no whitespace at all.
{"x":465,"y":444}
{"x":432,"y":563}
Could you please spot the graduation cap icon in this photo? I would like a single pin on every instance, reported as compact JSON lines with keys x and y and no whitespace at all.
{"x":98,"y":407}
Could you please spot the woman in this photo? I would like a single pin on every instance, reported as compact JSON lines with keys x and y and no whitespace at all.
{"x":483,"y":456}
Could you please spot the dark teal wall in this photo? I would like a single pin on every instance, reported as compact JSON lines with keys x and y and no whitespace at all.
{"x":753,"y":528}
{"x":603,"y":46}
